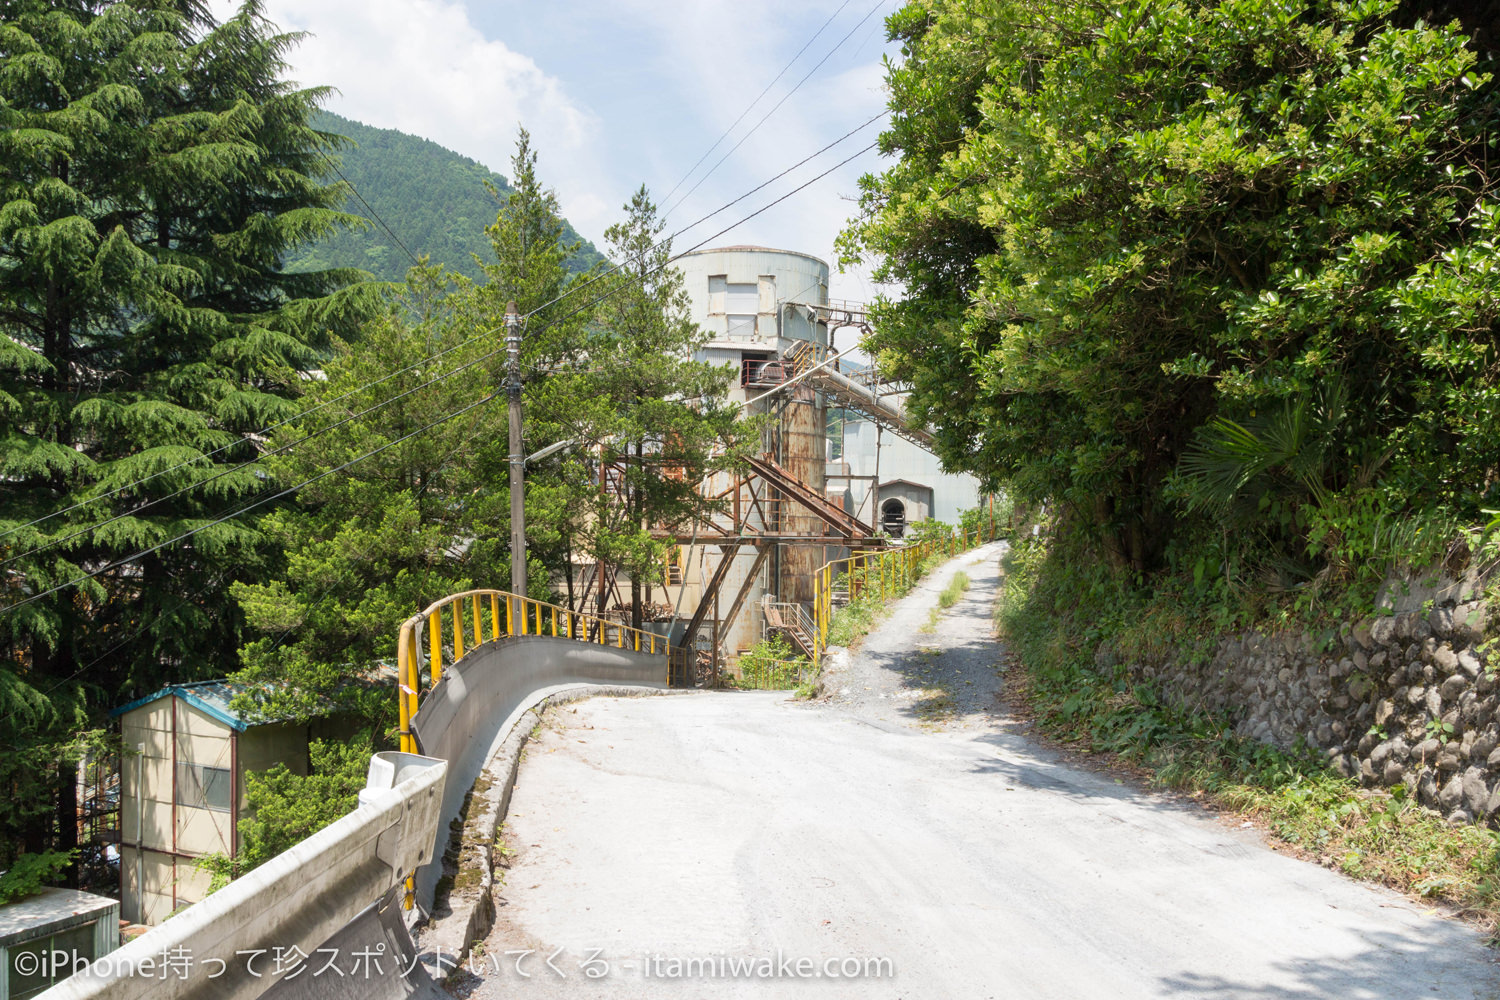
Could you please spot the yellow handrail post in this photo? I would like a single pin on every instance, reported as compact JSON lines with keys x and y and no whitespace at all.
{"x":619,"y":636}
{"x":478,"y":628}
{"x":494,"y":616}
{"x":525,"y":613}
{"x":458,"y":630}
{"x":554,"y":621}
{"x":435,"y":643}
{"x":637,"y":639}
{"x":403,"y":684}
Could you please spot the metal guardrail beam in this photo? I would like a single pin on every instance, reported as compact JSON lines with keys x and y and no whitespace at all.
{"x":300,"y":899}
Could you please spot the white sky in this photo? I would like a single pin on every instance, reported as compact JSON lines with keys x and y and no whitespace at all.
{"x":617,"y":93}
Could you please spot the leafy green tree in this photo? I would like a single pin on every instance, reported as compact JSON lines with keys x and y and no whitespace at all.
{"x":286,"y":807}
{"x":1117,"y":224}
{"x":428,"y":515}
{"x":657,"y":416}
{"x":531,"y":265}
{"x":155,"y":171}
{"x":369,"y":546}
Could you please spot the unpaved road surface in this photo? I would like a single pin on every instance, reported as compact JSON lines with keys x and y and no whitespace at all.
{"x":915,"y":837}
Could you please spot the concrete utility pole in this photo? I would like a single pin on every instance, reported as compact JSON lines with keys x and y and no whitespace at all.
{"x":517,"y":460}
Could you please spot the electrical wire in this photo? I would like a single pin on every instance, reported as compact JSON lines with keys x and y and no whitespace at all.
{"x":281,"y":450}
{"x":266,"y":431}
{"x":735,"y":124}
{"x":578,"y":287}
{"x":241,"y":440}
{"x":184,"y":536}
{"x":766,"y":117}
{"x":369,"y":208}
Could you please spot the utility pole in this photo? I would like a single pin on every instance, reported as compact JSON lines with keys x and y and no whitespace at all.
{"x":517,"y":462}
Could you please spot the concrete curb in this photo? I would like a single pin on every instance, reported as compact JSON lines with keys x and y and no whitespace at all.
{"x":465,"y":913}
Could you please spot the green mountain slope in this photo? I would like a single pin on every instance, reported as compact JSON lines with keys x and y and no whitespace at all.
{"x":433,"y":199}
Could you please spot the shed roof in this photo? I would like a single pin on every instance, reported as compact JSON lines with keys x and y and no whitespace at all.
{"x":211,"y":697}
{"x":905,"y":482}
{"x":50,"y":911}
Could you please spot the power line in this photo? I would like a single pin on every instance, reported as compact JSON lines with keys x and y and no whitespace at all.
{"x":369,"y":208}
{"x":248,"y":507}
{"x":267,"y":430}
{"x":51,"y":542}
{"x":572,"y":289}
{"x":323,"y":475}
{"x":785,"y":97}
{"x":735,"y":124}
{"x":263,"y":431}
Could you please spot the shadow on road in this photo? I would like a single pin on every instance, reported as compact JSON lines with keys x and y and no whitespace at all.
{"x":1385,"y":970}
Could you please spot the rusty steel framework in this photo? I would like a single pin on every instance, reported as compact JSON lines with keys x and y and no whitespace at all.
{"x":756,"y":510}
{"x":767,"y":505}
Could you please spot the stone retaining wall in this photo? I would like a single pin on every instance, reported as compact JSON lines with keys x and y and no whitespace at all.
{"x":1408,"y":697}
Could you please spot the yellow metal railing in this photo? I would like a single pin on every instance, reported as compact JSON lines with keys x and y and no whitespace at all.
{"x":461,"y":623}
{"x":885,"y":573}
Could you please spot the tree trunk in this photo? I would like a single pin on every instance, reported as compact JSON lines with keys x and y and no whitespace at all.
{"x":67,"y":816}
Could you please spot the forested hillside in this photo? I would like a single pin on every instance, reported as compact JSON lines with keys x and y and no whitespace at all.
{"x":434,"y":200}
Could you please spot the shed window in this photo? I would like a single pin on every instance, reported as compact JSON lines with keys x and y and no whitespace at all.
{"x":203,"y":787}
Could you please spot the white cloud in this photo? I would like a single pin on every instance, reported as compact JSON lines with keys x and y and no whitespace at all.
{"x":423,"y":67}
{"x":632,"y":91}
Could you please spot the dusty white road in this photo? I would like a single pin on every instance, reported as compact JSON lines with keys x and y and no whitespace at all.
{"x":866,"y":830}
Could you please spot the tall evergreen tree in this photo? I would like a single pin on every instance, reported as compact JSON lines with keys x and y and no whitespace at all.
{"x":376,"y":543}
{"x":530,"y":267}
{"x":658,"y":415}
{"x":154,"y":172}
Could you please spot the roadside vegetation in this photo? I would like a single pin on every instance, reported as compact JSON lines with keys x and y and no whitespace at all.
{"x":772,"y":663}
{"x":1208,"y":289}
{"x":1054,"y":613}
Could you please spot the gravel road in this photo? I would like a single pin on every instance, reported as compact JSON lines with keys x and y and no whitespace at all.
{"x":909,"y":672}
{"x":881,"y":826}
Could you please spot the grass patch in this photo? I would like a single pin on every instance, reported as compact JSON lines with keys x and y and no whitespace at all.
{"x":854,"y":620}
{"x":955,"y":589}
{"x":949,"y":597}
{"x":1054,"y":616}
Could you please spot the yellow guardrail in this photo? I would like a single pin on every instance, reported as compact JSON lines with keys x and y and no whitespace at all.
{"x":886,"y":572}
{"x":459,"y":623}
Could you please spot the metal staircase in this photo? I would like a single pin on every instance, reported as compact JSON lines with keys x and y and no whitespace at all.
{"x":792,"y":621}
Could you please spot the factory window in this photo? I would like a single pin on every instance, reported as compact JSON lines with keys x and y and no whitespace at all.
{"x":727,"y":297}
{"x":742,"y":299}
{"x":741,"y":326}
